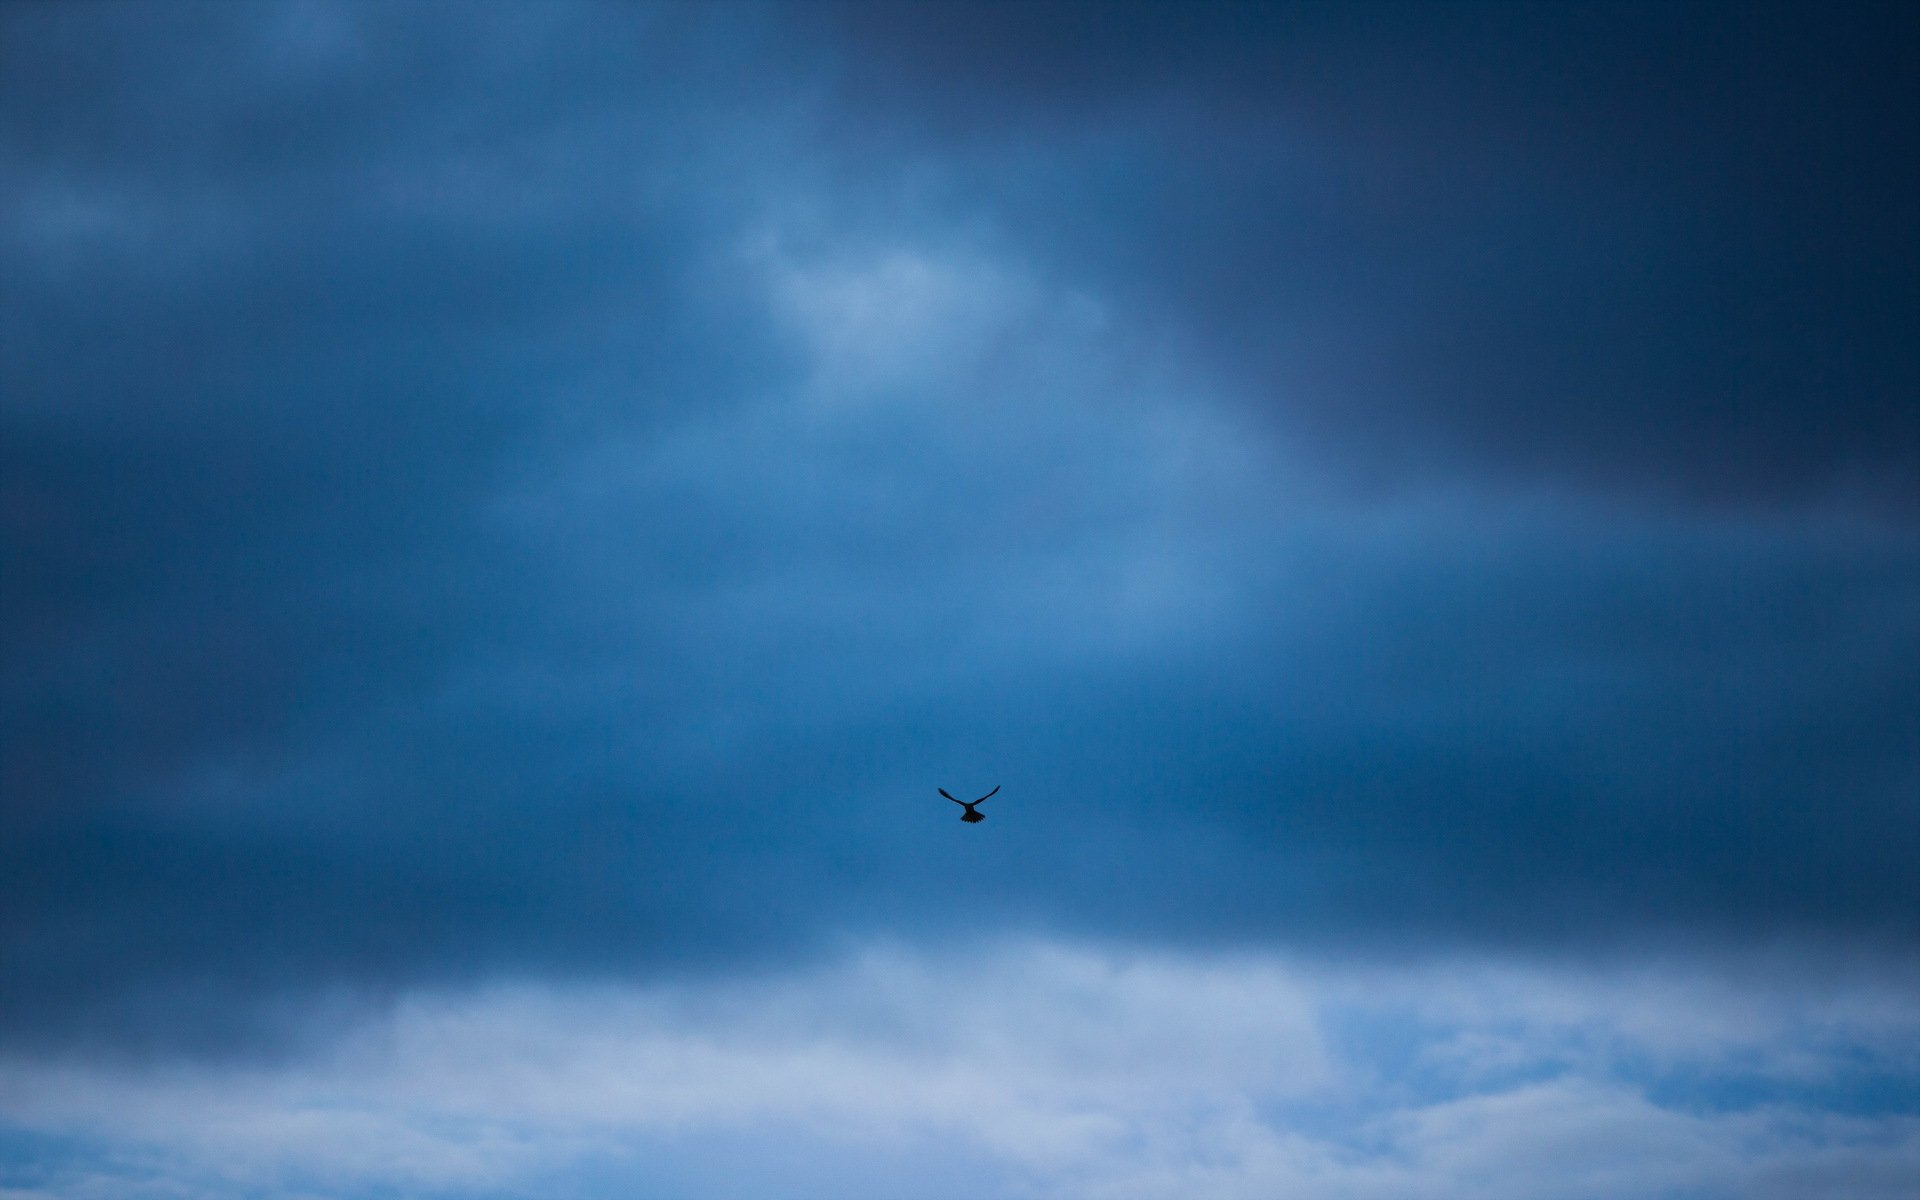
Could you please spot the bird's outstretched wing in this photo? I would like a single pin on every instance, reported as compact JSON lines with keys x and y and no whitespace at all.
{"x":949,"y":795}
{"x":996,"y":787}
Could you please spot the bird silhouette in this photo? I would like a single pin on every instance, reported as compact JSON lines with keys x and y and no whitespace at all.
{"x":969,"y":815}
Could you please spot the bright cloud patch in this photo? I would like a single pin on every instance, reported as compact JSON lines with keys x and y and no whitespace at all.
{"x":1034,"y":1071}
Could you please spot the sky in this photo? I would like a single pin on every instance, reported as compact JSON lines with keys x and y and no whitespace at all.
{"x":509,"y":512}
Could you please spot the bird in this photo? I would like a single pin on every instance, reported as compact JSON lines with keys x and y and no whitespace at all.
{"x":969,"y":815}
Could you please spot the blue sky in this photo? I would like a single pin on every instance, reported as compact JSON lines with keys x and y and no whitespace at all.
{"x":510,"y":512}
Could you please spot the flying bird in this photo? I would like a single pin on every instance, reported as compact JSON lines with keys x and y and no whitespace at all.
{"x":969,"y":815}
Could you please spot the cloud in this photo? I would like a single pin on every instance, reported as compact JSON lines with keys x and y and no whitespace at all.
{"x":475,"y":505}
{"x":1042,"y":1069}
{"x":1652,"y":254}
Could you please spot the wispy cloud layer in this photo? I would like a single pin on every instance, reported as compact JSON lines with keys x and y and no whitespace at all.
{"x":1040,"y":1069}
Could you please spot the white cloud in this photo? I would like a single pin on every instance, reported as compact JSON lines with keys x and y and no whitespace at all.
{"x":1052,"y":1071}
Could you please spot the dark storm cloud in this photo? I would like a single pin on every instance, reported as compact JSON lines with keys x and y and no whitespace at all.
{"x":1664,"y":247}
{"x":430,"y":552}
{"x":258,"y":345}
{"x":288,"y":292}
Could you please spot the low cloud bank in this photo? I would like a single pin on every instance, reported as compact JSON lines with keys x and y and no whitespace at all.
{"x":1038,"y":1069}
